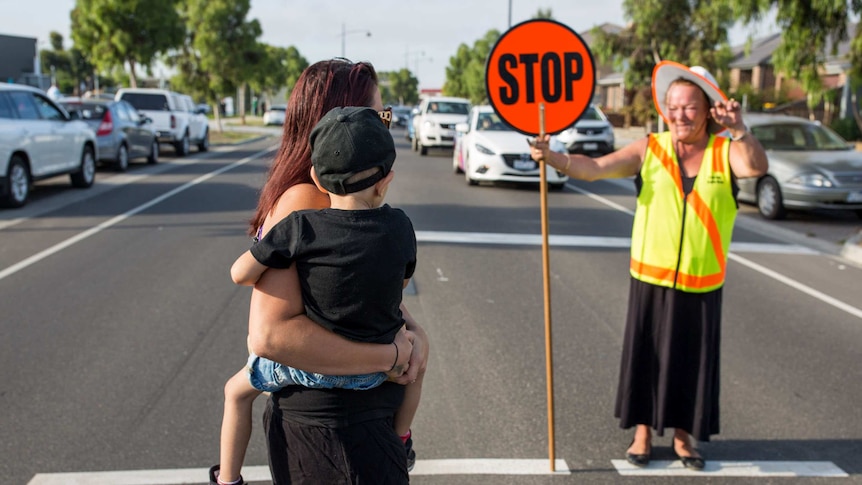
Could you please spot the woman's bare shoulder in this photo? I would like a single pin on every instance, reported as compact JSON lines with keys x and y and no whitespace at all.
{"x":299,"y":197}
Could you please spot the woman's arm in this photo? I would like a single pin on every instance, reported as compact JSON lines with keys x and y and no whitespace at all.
{"x":279,"y":330}
{"x":624,"y":162}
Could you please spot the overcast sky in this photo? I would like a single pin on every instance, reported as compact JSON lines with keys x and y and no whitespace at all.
{"x":419,"y":35}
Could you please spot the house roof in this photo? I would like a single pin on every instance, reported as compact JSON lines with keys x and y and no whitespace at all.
{"x":761,"y":52}
{"x":762,"y":49}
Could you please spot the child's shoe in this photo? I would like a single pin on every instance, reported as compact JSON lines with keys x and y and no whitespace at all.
{"x":214,"y":477}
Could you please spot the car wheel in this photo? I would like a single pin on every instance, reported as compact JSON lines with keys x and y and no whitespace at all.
{"x":414,"y":144}
{"x":858,"y":213}
{"x":122,"y":163}
{"x":556,"y":186}
{"x":204,"y":145}
{"x":769,"y":200}
{"x":456,"y":169}
{"x":423,"y":150}
{"x":182,"y":147}
{"x":86,"y":175}
{"x":17,"y":183}
{"x":153,"y":158}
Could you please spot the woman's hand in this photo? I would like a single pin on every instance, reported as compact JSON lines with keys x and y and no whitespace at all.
{"x":729,"y":115}
{"x":404,"y":343}
{"x":540,"y":147}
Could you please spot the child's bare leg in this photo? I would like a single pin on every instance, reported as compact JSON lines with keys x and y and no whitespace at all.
{"x":239,"y":396}
{"x":404,"y":415}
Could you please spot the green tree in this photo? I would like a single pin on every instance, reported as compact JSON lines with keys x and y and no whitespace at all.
{"x":690,"y":32}
{"x":120,"y":32}
{"x":465,"y":75}
{"x":403,"y":87}
{"x":226,"y":44}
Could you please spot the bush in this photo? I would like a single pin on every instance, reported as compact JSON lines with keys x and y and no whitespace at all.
{"x":847,"y":128}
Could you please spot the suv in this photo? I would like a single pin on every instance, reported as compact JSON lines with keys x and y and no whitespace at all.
{"x":38,"y":139}
{"x":591,"y":135}
{"x":172,"y":117}
{"x":434,"y":123}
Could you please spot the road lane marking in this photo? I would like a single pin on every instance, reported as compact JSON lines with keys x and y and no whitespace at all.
{"x":120,"y":218}
{"x":485,"y":466}
{"x":584,"y":241}
{"x":734,"y":469}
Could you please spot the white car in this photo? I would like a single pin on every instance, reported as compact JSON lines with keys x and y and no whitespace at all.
{"x":488,"y":150}
{"x":174,"y":117}
{"x":434,"y":123}
{"x":274,"y":115}
{"x":38,"y":139}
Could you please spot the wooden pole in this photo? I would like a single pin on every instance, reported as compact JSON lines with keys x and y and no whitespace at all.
{"x":546,"y":271}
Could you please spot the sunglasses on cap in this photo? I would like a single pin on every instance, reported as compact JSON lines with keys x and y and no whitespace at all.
{"x":386,"y":116}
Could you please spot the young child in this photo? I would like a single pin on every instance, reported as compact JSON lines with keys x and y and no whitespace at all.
{"x":353,"y":260}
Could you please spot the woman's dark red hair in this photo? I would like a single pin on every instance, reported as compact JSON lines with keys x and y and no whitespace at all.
{"x":322,"y":86}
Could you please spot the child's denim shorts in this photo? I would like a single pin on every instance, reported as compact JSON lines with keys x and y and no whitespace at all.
{"x":268,"y":376}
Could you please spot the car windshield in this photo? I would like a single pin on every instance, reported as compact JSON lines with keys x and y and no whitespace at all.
{"x":448,"y":108}
{"x":490,"y":122}
{"x":798,"y":137}
{"x":591,"y":114}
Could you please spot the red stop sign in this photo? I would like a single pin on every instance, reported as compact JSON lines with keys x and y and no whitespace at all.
{"x":540,"y":61}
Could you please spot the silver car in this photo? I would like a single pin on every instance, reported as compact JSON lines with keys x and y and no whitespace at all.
{"x":591,"y":135}
{"x":810,"y":167}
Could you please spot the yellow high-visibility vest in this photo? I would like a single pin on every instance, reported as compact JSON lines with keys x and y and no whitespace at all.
{"x":682,"y":241}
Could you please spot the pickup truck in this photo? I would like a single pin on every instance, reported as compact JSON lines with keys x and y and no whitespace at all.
{"x":175,"y":119}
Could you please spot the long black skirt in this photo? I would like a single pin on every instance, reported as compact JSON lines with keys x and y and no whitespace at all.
{"x":669,"y":372}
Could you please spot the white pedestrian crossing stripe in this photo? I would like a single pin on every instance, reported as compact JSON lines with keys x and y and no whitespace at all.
{"x":479,"y":466}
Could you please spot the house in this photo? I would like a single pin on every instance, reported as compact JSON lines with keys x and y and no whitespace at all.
{"x":610,"y":85}
{"x":19,"y":62}
{"x":755,"y":68}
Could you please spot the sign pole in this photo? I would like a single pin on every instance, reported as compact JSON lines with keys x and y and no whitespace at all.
{"x":546,"y":271}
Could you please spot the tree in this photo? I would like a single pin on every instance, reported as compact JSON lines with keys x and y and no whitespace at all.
{"x":119,"y":32}
{"x":465,"y":75}
{"x":226,"y":45}
{"x":403,"y":87}
{"x":690,"y":32}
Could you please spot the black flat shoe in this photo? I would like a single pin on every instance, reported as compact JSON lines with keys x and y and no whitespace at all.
{"x":691,"y":462}
{"x":638,"y":460}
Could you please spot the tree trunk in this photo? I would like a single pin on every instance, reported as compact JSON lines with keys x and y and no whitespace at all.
{"x":241,"y":103}
{"x":133,"y":78}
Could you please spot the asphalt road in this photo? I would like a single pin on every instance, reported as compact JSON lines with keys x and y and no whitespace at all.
{"x":119,"y":326}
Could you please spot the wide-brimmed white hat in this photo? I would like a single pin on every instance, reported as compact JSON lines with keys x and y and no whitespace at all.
{"x":666,"y":72}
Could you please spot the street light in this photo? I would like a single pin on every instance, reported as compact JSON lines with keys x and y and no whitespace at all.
{"x":344,"y":33}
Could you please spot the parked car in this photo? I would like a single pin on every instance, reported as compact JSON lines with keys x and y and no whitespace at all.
{"x":274,"y":115}
{"x":488,"y":150}
{"x":122,"y":133}
{"x":199,"y":124}
{"x":171,"y":115}
{"x":434,"y":125}
{"x":591,"y":135}
{"x":38,"y":139}
{"x":810,"y":167}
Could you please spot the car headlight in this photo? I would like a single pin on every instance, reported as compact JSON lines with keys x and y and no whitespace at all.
{"x":429,"y":124}
{"x":811,"y":180}
{"x":482,"y":149}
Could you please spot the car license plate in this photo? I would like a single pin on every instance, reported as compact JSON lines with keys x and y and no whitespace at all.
{"x":854,"y":197}
{"x":591,"y":146}
{"x":524,"y":164}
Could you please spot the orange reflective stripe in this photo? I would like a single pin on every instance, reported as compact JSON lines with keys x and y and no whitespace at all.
{"x":666,"y":161}
{"x":706,"y":218}
{"x":717,"y":145}
{"x":682,"y":279}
